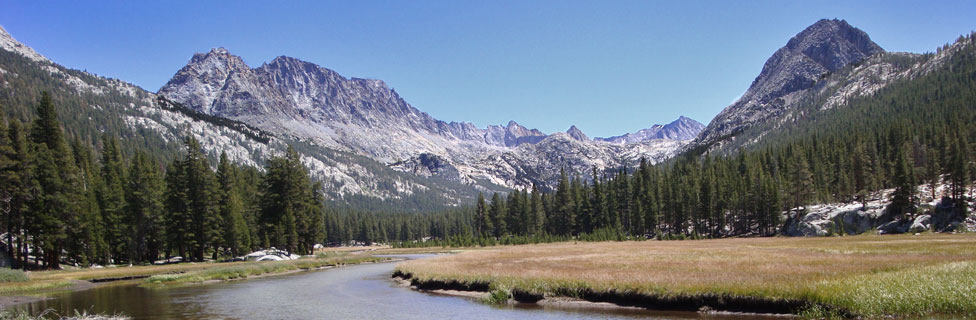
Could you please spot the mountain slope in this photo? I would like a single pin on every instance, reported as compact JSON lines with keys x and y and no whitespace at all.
{"x":824,"y":47}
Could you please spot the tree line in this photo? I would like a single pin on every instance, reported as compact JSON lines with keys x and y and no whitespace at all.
{"x":61,"y":202}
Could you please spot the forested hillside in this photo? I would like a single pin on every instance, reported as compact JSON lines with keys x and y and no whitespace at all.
{"x":91,"y":107}
{"x":915,"y":131}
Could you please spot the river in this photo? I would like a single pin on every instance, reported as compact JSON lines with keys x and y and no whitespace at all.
{"x":353,"y":292}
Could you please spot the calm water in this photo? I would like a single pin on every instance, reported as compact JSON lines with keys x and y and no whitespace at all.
{"x":355,"y":292}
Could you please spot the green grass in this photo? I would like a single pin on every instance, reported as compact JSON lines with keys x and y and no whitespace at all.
{"x":242,"y":271}
{"x":943,"y":289}
{"x":11,"y":275}
{"x":21,"y":288}
{"x":498,"y":296}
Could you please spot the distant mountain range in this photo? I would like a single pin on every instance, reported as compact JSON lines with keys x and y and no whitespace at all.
{"x":369,"y":146}
{"x":295,"y":98}
{"x":682,"y":129}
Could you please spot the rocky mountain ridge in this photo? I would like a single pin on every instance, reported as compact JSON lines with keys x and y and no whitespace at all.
{"x":682,"y":129}
{"x":826,"y":46}
{"x":299,"y":99}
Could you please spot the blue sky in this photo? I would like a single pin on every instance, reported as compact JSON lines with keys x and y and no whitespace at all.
{"x":608,"y":67}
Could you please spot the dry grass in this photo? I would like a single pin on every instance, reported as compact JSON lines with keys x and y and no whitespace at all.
{"x":859,"y":274}
{"x":240,"y":271}
{"x":123,"y":271}
{"x":183,"y":272}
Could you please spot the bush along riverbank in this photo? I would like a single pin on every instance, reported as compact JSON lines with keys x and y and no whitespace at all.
{"x":842,"y":277}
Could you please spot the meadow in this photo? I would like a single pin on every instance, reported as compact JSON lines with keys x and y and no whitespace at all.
{"x":854,"y":276}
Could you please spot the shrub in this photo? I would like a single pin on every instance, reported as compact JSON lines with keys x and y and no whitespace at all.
{"x":10,"y":275}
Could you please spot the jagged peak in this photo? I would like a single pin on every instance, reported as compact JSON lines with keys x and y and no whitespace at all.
{"x":683,"y":128}
{"x":219,"y":50}
{"x":218,"y":55}
{"x":577,"y":134}
{"x":833,"y":43}
{"x":283,"y":59}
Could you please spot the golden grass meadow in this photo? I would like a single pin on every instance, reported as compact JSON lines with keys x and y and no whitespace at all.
{"x":865,"y":276}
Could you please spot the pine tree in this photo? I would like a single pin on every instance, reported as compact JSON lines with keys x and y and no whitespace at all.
{"x":932,"y":171}
{"x":56,"y":206}
{"x":20,"y":187}
{"x":903,"y":199}
{"x":959,"y":170}
{"x":525,"y":215}
{"x":802,"y":183}
{"x":8,"y":183}
{"x":177,"y":216}
{"x":111,"y":198}
{"x":144,"y":207}
{"x":497,"y":212}
{"x":483,"y":221}
{"x":864,"y":173}
{"x":538,"y":212}
{"x":235,"y":234}
{"x":287,"y":205}
{"x":513,"y":204}
{"x":89,"y":243}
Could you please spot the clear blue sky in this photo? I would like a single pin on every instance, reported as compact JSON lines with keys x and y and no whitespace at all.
{"x":609,"y":67}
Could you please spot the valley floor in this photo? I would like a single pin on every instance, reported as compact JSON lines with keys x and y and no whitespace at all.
{"x":853,"y":276}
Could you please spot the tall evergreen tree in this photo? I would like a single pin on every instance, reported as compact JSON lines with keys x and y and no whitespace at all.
{"x":498,"y":214}
{"x":483,"y":221}
{"x":903,"y":199}
{"x":236,"y":237}
{"x":111,"y":198}
{"x":145,"y":209}
{"x":802,"y":182}
{"x":57,"y":205}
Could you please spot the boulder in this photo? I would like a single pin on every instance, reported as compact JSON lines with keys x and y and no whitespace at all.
{"x":855,"y":222}
{"x":894,"y":227}
{"x":269,"y":255}
{"x":921,"y":223}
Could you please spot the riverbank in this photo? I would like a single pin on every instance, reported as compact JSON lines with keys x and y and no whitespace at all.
{"x":865,"y":276}
{"x":258,"y":269}
{"x":42,"y":282}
